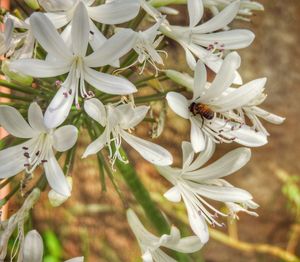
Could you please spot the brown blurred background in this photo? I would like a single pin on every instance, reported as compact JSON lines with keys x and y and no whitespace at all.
{"x":93,"y":223}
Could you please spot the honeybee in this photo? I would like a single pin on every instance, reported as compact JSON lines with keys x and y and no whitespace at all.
{"x":203,"y":110}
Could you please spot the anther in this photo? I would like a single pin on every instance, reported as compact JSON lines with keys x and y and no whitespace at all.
{"x":25,"y":148}
{"x":26,"y":154}
{"x":44,"y":161}
{"x":65,"y":94}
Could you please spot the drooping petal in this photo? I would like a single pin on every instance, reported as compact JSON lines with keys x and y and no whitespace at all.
{"x":187,"y":154}
{"x":186,"y":245}
{"x":108,"y":83}
{"x":96,"y":145}
{"x":115,"y":12}
{"x":112,"y":49}
{"x":272,"y":118}
{"x":249,"y":137}
{"x":55,"y":175}
{"x":48,"y":37}
{"x":36,"y":118}
{"x":80,"y":30}
{"x":200,"y":80}
{"x":173,"y":195}
{"x":224,"y":77}
{"x":219,"y":21}
{"x":65,"y":138}
{"x":226,"y":165}
{"x":232,"y":39}
{"x":195,"y":9}
{"x":197,"y":137}
{"x":14,"y":123}
{"x":40,"y":68}
{"x":153,"y":153}
{"x":96,"y":110}
{"x":179,"y":104}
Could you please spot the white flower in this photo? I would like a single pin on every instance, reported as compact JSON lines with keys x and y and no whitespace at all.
{"x":117,"y":119}
{"x":57,"y":199}
{"x":38,"y":149}
{"x":193,"y":183}
{"x":221,"y":119}
{"x":202,"y":42}
{"x":150,"y":244}
{"x":6,"y":36}
{"x":62,"y":59}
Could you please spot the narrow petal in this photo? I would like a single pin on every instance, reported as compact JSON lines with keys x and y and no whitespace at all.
{"x":40,"y":68}
{"x":195,"y":9}
{"x":200,"y":80}
{"x":226,"y":165}
{"x":96,"y":145}
{"x":140,"y":113}
{"x":115,"y":12}
{"x":187,"y":154}
{"x":112,"y":49}
{"x":197,"y":137}
{"x":173,"y":195}
{"x":36,"y":118}
{"x":55,"y":176}
{"x":179,"y":104}
{"x":108,"y":83}
{"x":232,"y":39}
{"x":58,"y":19}
{"x":219,"y":21}
{"x":186,"y":245}
{"x":80,"y":30}
{"x":97,"y":39}
{"x":272,"y":118}
{"x":14,"y":123}
{"x":153,"y":153}
{"x":65,"y":138}
{"x":224,"y":77}
{"x":48,"y":37}
{"x":248,"y":137}
{"x":96,"y":110}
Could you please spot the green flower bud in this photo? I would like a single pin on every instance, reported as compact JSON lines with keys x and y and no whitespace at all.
{"x":33,"y":4}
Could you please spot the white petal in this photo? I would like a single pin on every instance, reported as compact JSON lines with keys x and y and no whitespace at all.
{"x":56,"y":5}
{"x":48,"y":37}
{"x":112,"y":49}
{"x":96,"y":110}
{"x":80,"y":30}
{"x":59,"y":19}
{"x":232,"y":39}
{"x":115,"y":12}
{"x":108,"y":83}
{"x":96,"y":145}
{"x":147,"y":257}
{"x":173,"y":195}
{"x":56,"y":199}
{"x":272,"y":118}
{"x":76,"y":259}
{"x":248,"y":137}
{"x":153,"y":153}
{"x":65,"y":138}
{"x":226,"y":165}
{"x":186,"y":245}
{"x":179,"y":104}
{"x":33,"y":248}
{"x":14,"y":123}
{"x":97,"y":38}
{"x":187,"y":154}
{"x":241,"y":96}
{"x":55,"y":176}
{"x":224,"y":77}
{"x":200,"y":80}
{"x":140,"y":113}
{"x":36,"y":118}
{"x":197,"y":137}
{"x":40,"y":68}
{"x":195,"y":9}
{"x":220,"y":20}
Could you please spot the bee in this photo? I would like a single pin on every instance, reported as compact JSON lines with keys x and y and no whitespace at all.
{"x":203,"y":110}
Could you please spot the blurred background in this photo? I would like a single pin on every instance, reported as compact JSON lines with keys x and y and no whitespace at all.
{"x":92,"y":223}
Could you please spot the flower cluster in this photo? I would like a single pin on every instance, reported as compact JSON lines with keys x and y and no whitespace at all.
{"x":77,"y":67}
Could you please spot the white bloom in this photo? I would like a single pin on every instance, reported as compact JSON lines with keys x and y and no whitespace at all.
{"x":193,"y":183}
{"x":38,"y":149}
{"x":150,"y":244}
{"x":6,"y":36}
{"x":117,"y":119}
{"x":73,"y":60}
{"x":57,"y":199}
{"x":224,"y":122}
{"x":202,"y":42}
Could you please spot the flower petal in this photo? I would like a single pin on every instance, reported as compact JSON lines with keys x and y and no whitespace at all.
{"x":80,"y":30}
{"x":272,"y":118}
{"x":200,"y":80}
{"x":108,"y":83}
{"x":36,"y":118}
{"x":179,"y":104}
{"x":46,"y":34}
{"x":58,"y":19}
{"x":96,"y":110}
{"x":33,"y":248}
{"x":115,"y":12}
{"x":186,"y":245}
{"x":173,"y":195}
{"x":197,"y":137}
{"x":14,"y":123}
{"x":55,"y":176}
{"x":153,"y":153}
{"x":195,"y":9}
{"x":220,"y":20}
{"x":65,"y":138}
{"x":112,"y":49}
{"x":76,"y":259}
{"x":187,"y":154}
{"x":96,"y":145}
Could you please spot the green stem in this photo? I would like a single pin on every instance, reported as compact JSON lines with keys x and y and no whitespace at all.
{"x":15,"y":97}
{"x":27,"y":90}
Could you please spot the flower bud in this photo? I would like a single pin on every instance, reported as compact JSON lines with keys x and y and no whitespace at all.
{"x":13,"y":76}
{"x":57,"y":199}
{"x":181,"y":79}
{"x":33,"y":247}
{"x":33,"y":4}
